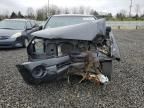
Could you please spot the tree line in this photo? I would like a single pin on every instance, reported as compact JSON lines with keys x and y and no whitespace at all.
{"x":44,"y":12}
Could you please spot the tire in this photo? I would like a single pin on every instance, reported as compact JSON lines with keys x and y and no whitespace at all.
{"x":107,"y":68}
{"x":25,"y":43}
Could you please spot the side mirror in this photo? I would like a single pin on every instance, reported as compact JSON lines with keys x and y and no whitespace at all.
{"x":40,"y":27}
{"x":108,"y":29}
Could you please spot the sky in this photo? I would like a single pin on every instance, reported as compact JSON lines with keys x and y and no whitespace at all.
{"x":112,"y":6}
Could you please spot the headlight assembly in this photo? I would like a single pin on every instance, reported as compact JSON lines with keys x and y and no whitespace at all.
{"x":16,"y":35}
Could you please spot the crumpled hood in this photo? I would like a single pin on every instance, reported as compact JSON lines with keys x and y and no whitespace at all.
{"x":83,"y":31}
{"x":8,"y":32}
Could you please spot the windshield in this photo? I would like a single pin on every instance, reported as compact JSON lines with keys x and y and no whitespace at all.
{"x":12,"y":24}
{"x":58,"y":21}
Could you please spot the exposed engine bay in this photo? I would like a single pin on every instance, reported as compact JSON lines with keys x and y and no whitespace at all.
{"x":53,"y":48}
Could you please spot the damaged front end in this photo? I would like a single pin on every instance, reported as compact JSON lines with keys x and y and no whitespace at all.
{"x":52,"y":54}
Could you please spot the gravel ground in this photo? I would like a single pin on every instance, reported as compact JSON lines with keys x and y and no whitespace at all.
{"x":126,"y":90}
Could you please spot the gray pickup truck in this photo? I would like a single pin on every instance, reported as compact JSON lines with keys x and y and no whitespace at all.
{"x":63,"y":44}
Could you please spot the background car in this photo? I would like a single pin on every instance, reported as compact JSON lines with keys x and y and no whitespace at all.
{"x":15,"y":32}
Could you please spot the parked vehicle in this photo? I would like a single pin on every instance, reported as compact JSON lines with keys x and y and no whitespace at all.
{"x":64,"y":44}
{"x":16,"y":32}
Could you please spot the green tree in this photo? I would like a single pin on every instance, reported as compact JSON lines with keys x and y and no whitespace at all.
{"x":20,"y":15}
{"x":94,"y":12}
{"x":13,"y":15}
{"x":121,"y":15}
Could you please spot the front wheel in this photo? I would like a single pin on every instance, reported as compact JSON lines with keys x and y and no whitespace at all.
{"x":107,"y":68}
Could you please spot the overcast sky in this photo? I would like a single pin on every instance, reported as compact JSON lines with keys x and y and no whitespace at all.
{"x":112,"y":6}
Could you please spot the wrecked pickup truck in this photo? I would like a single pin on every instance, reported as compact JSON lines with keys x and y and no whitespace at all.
{"x":85,"y":49}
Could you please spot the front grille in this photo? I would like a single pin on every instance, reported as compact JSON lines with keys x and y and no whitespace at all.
{"x":4,"y":37}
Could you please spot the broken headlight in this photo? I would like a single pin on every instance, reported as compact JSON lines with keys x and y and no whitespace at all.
{"x":38,"y":46}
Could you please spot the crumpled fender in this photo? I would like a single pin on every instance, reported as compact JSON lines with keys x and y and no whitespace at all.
{"x":114,"y":48}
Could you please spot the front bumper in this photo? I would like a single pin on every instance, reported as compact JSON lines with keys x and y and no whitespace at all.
{"x":51,"y":69}
{"x":10,"y":43}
